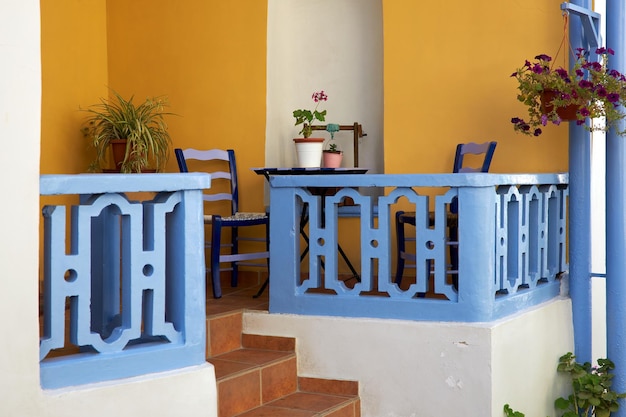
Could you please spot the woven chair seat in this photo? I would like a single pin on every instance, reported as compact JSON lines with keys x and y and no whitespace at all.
{"x":208,"y":218}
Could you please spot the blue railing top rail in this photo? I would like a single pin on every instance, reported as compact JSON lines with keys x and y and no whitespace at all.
{"x":115,"y":183}
{"x":417,"y":180}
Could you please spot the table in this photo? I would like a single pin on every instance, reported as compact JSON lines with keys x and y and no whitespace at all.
{"x":304,"y":217}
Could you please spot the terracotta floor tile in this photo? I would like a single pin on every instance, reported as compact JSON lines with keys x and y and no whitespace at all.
{"x":226,"y":368}
{"x":268,"y":411}
{"x":225,"y":333}
{"x":254,"y":356}
{"x":279,"y":379}
{"x":239,"y":394}
{"x":268,"y":342}
{"x":345,"y":411}
{"x":328,"y":386}
{"x":308,"y":401}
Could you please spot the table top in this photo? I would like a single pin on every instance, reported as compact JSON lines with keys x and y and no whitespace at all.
{"x":309,"y":171}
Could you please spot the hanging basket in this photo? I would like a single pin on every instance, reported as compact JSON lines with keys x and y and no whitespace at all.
{"x":567,"y":113}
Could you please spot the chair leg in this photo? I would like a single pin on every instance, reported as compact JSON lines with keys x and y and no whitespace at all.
{"x":216,"y":235}
{"x":234,"y":277}
{"x":400,"y":247}
{"x":267,"y":248}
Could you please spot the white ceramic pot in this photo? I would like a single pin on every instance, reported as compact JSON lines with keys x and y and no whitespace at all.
{"x":309,"y":152}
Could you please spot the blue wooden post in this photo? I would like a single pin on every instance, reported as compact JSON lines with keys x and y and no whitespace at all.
{"x":615,"y":209}
{"x":580,"y":197}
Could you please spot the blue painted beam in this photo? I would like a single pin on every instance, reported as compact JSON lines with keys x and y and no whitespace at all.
{"x":615,"y":211}
{"x":580,"y":196}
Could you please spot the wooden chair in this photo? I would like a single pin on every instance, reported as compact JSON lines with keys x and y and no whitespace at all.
{"x":486,"y":150}
{"x":233,"y":220}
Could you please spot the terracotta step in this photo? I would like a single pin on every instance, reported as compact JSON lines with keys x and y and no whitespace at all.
{"x":257,"y":376}
{"x":314,"y":398}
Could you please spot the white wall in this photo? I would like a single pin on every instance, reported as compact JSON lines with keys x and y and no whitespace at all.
{"x":427,"y":369}
{"x":330,"y":45}
{"x":598,"y":226}
{"x":20,"y":101}
{"x":187,"y":392}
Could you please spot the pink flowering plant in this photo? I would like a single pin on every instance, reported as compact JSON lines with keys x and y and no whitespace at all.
{"x":307,"y":117}
{"x":592,"y":86}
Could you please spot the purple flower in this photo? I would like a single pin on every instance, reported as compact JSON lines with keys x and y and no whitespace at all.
{"x":537,"y":69}
{"x":612,"y":97}
{"x":537,"y":132}
{"x":595,"y":66}
{"x":585,"y":84}
{"x":604,"y":50}
{"x":601,"y":91}
{"x":584,"y":112}
{"x":543,"y":57}
{"x":544,"y":119}
{"x":562,"y":73}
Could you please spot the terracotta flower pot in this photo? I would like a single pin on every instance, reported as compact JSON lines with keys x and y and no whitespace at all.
{"x":566,"y":113}
{"x":118,"y":146}
{"x":332,"y":159}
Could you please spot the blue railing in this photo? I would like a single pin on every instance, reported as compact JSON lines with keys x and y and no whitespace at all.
{"x":125,"y":296}
{"x":511,"y":245}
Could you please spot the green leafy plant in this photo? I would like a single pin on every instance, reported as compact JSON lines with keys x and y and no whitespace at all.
{"x":592,"y":394}
{"x":307,"y":117}
{"x":143,"y":126}
{"x":592,"y":86}
{"x":332,"y":147}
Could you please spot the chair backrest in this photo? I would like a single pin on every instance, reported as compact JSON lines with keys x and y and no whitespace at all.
{"x":185,"y":155}
{"x":485,"y":149}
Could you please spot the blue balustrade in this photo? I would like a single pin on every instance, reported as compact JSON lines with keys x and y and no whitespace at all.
{"x":511,"y":245}
{"x":126,"y":296}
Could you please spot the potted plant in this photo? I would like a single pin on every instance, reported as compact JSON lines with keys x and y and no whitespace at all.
{"x":332,"y":155}
{"x":590,"y":90}
{"x":137,"y":133}
{"x":308,"y":149}
{"x":591,"y":395}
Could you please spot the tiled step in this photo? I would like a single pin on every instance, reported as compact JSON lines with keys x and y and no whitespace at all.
{"x":314,"y":398}
{"x":257,"y":376}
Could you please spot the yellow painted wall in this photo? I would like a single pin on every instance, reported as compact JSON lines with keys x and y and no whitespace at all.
{"x":74,"y":73}
{"x":208,"y":57}
{"x":447,"y":80}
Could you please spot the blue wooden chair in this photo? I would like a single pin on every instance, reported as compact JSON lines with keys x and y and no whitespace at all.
{"x":485,"y":150}
{"x":234,"y":219}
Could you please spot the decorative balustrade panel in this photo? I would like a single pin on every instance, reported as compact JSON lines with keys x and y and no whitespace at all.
{"x":530,"y":236}
{"x":126,"y":296}
{"x":507,"y":241}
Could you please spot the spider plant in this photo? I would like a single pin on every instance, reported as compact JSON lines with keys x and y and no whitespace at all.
{"x":142,"y":126}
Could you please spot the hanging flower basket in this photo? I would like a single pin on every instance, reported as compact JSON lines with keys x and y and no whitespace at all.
{"x":592,"y":89}
{"x":565,"y":113}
